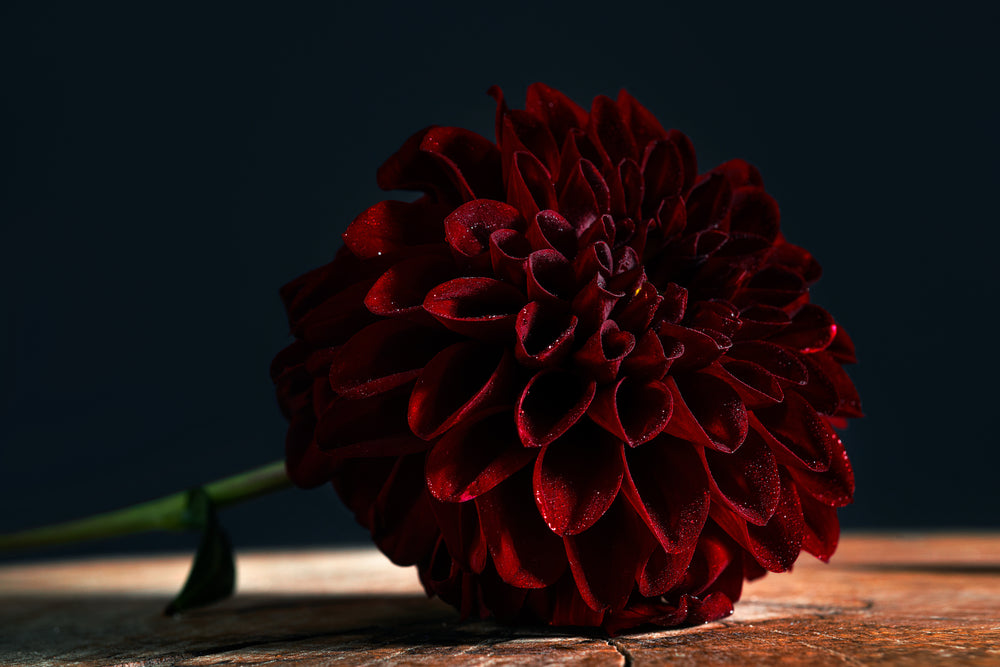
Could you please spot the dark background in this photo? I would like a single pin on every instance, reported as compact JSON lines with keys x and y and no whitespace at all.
{"x":167,"y":168}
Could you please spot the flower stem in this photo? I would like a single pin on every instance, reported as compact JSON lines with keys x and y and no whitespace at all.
{"x":166,"y":513}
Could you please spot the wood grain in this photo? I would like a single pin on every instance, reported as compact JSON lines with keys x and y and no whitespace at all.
{"x":903,"y":599}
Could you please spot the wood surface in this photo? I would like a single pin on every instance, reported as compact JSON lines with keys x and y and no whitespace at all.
{"x":898,"y":599}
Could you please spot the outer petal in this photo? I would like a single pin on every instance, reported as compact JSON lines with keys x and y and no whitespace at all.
{"x":482,"y":308}
{"x":468,"y":228}
{"x":475,"y":457}
{"x":717,"y":409}
{"x":747,"y":480}
{"x":606,"y":558}
{"x":668,"y":487}
{"x":526,"y":553}
{"x":634,"y":410}
{"x":459,"y":380}
{"x":544,"y":335}
{"x":551,"y":403}
{"x":403,"y":523}
{"x":577,"y":477}
{"x":382,"y":356}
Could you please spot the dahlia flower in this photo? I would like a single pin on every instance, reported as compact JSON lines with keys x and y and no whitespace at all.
{"x":576,"y":382}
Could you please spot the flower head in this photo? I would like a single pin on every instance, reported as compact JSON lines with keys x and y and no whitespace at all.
{"x":575,"y":382}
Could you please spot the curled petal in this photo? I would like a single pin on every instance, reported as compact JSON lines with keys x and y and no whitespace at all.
{"x":509,"y":252}
{"x":461,"y":379}
{"x":700,"y":348}
{"x":410,"y":168}
{"x":602,"y":354}
{"x":544,"y":335}
{"x":550,"y":231}
{"x":476,"y":456}
{"x":470,"y":161}
{"x":368,"y":427}
{"x":648,"y":360}
{"x":595,"y":258}
{"x":560,"y":113}
{"x":811,"y":330}
{"x":403,"y":523}
{"x":667,"y":485}
{"x":635,"y":411}
{"x":534,"y":135}
{"x":530,"y":188}
{"x":594,"y":302}
{"x":821,"y":530}
{"x":585,"y":197}
{"x":525,"y":552}
{"x":717,"y":408}
{"x":608,"y":131}
{"x":604,"y":571}
{"x":800,"y":436}
{"x":549,"y":276}
{"x":402,"y":288}
{"x":663,"y":170}
{"x":756,"y":386}
{"x":382,"y":356}
{"x":773,"y":358}
{"x":663,"y":570}
{"x":482,"y":308}
{"x":747,"y":479}
{"x":754,"y":212}
{"x":708,"y":204}
{"x":577,"y":477}
{"x":468,"y":228}
{"x":551,"y":403}
{"x":640,"y":122}
{"x":834,"y":487}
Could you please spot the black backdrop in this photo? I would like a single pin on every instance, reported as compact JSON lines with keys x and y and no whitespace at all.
{"x":167,"y":168}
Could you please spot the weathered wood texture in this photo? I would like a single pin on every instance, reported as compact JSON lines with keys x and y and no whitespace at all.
{"x":904,"y":599}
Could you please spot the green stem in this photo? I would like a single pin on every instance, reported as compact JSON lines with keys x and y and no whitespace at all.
{"x":166,"y":513}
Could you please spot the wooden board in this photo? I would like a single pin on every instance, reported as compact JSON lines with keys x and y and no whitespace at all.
{"x":906,"y":599}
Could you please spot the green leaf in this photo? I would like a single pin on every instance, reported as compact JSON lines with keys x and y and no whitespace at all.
{"x":213,"y":573}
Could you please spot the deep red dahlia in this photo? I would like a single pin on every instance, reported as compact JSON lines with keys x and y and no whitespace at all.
{"x":575,"y":382}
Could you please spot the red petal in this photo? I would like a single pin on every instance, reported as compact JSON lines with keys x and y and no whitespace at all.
{"x":549,"y":276}
{"x":460,"y":529}
{"x":471,"y":162}
{"x":609,"y":133}
{"x":550,"y":231}
{"x":755,"y":212}
{"x":776,"y":544}
{"x":708,"y":204}
{"x":663,"y":571}
{"x":401,"y":290}
{"x":509,"y":252}
{"x":647,"y":361}
{"x":747,"y":480}
{"x":842,"y":348}
{"x":773,"y":358}
{"x":552,"y":401}
{"x":835,"y":486}
{"x":473,"y":458}
{"x":336,"y":319}
{"x":700,"y":349}
{"x":757,"y":387}
{"x":635,"y":411}
{"x":585,"y":197}
{"x":717,"y":408}
{"x":642,"y":124}
{"x":468,"y":228}
{"x":602,"y":354}
{"x":530,"y":188}
{"x":403,"y":523}
{"x":544,"y":335}
{"x":606,"y":559}
{"x":594,"y":302}
{"x":829,"y":374}
{"x":526,"y":553}
{"x":368,"y":427}
{"x":535,"y":135}
{"x":667,"y":485}
{"x":461,"y":379}
{"x":577,"y":477}
{"x":663,"y":171}
{"x":811,"y":330}
{"x":561,"y":114}
{"x":307,"y":466}
{"x":410,"y":168}
{"x":822,"y":530}
{"x":382,"y":356}
{"x":800,"y":436}
{"x":688,"y":158}
{"x":482,"y":308}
